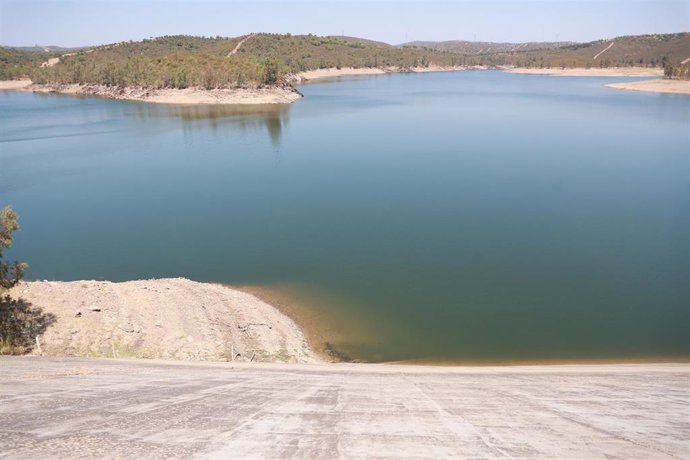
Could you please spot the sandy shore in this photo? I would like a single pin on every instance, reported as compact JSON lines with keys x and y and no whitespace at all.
{"x":655,"y":86}
{"x":91,"y":408}
{"x":189,"y":96}
{"x":333,"y":72}
{"x":14,"y":84}
{"x":591,"y":72}
{"x":196,"y":96}
{"x":164,"y":318}
{"x":349,"y":71}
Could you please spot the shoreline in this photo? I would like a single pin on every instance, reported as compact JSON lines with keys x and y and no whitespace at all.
{"x":584,"y":72}
{"x":655,"y":86}
{"x":280,"y":331}
{"x":188,"y":96}
{"x":332,"y":72}
{"x":316,"y":334}
{"x":287,"y":94}
{"x":170,"y":318}
{"x":320,"y":337}
{"x":14,"y":85}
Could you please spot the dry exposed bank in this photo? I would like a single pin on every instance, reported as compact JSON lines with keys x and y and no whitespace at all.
{"x":349,"y":71}
{"x":591,"y":72}
{"x":14,"y":84}
{"x":655,"y":86}
{"x":268,"y":95}
{"x":166,"y":318}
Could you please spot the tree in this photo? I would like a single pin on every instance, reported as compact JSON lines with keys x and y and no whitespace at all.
{"x":271,"y":72}
{"x":10,"y":273}
{"x":20,"y":323}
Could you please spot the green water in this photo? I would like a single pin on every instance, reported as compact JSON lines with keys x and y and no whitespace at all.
{"x":451,"y":216}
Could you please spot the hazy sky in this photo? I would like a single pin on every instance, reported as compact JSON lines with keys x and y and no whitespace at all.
{"x":91,"y":22}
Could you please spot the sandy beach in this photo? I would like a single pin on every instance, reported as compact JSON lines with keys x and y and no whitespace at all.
{"x":591,"y":72}
{"x":655,"y":86}
{"x":163,"y":318}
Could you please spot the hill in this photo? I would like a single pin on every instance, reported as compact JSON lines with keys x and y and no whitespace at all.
{"x":636,"y":50}
{"x":47,"y":48}
{"x":215,"y":62}
{"x":469,"y":47}
{"x":18,"y":62}
{"x":261,"y":59}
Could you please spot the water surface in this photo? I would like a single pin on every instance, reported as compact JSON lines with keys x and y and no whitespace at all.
{"x":451,"y":216}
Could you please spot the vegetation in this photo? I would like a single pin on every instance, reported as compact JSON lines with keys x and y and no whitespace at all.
{"x":183,"y":61}
{"x":677,"y":72}
{"x":207,"y":62}
{"x":20,"y":323}
{"x":637,"y":50}
{"x":16,"y":63}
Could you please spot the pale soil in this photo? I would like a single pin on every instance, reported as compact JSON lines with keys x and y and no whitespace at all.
{"x":197,"y":96}
{"x":592,"y":72}
{"x":51,"y":62}
{"x":603,"y":51}
{"x":440,"y":68}
{"x":165,"y":318}
{"x":14,"y":84}
{"x":333,"y":72}
{"x":655,"y":86}
{"x":239,"y":45}
{"x":349,"y":71}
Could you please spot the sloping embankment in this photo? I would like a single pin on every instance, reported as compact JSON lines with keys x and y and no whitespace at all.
{"x":165,"y":318}
{"x":62,"y":408}
{"x":265,"y":95}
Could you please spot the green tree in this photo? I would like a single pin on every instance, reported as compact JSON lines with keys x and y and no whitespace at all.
{"x":10,"y":273}
{"x":20,"y":323}
{"x":271,"y":72}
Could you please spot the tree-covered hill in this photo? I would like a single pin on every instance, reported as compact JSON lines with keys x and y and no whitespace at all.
{"x":471,"y":47}
{"x":16,"y":63}
{"x":184,"y":61}
{"x":637,"y":50}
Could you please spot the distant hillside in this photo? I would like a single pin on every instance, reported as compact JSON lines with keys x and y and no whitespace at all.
{"x":18,"y":62}
{"x":254,"y":60}
{"x":364,"y":41}
{"x":297,"y":53}
{"x":468,"y":47}
{"x":47,"y":49}
{"x":637,"y":50}
{"x":219,"y":62}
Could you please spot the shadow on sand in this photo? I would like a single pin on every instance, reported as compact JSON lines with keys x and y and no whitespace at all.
{"x":20,"y":324}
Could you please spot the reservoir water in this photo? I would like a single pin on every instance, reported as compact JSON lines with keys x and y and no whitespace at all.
{"x":476,"y":216}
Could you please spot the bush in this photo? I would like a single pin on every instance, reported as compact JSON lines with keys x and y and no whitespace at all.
{"x":20,"y":322}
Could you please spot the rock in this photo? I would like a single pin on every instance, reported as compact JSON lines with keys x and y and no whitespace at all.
{"x":77,"y":314}
{"x":95,"y":308}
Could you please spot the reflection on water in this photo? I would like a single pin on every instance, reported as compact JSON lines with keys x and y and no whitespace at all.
{"x":245,"y":118}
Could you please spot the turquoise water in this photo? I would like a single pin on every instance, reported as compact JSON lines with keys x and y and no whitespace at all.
{"x":451,"y":216}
